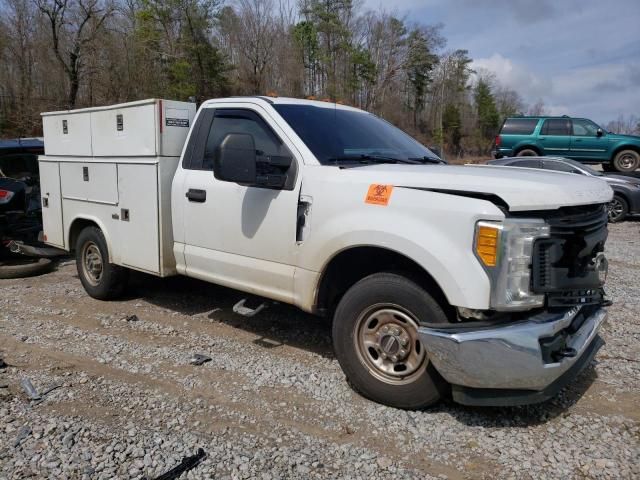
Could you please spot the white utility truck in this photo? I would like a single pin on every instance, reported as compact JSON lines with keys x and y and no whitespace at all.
{"x":482,"y":282}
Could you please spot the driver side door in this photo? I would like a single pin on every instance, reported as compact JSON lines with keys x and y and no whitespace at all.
{"x":236,"y":235}
{"x":586,"y":143}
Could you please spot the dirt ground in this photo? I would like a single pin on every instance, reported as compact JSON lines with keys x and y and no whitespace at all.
{"x":273,"y":382}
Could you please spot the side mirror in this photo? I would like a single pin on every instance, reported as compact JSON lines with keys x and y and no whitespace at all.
{"x":599,"y":132}
{"x":235,"y":159}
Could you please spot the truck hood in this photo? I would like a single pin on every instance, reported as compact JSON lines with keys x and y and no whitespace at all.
{"x":622,"y":136}
{"x":520,"y":189}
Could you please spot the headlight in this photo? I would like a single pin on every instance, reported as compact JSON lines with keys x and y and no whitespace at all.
{"x":504,"y":250}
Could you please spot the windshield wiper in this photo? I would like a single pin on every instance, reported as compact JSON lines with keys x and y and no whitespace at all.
{"x":426,"y":159}
{"x":365,"y":159}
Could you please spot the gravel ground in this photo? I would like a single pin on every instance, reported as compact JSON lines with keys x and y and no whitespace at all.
{"x":273,"y":402}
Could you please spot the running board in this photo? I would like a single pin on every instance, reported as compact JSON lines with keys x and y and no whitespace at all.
{"x":241,"y":309}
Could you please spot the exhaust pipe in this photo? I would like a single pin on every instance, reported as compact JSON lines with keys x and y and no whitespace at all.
{"x":30,"y":251}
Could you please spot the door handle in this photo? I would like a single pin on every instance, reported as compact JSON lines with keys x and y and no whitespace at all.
{"x":195,"y":195}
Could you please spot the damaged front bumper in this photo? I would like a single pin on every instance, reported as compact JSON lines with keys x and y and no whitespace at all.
{"x":518,"y":363}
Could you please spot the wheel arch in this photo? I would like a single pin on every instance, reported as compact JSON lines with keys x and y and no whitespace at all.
{"x":622,"y":147}
{"x":354,"y":263}
{"x":533,"y":147}
{"x":80,"y":223}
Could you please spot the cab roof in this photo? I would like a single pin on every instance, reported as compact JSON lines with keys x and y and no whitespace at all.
{"x":286,"y":101}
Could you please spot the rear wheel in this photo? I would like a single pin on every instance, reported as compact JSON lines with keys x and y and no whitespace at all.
{"x":375,"y":337}
{"x":626,"y":161}
{"x":617,"y":209}
{"x":101,"y":279}
{"x":527,"y":152}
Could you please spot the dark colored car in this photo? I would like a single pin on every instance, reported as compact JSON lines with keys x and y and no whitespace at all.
{"x":575,"y":138}
{"x":20,"y":209}
{"x":626,"y":189}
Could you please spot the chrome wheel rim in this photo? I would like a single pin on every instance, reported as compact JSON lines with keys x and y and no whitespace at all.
{"x":92,"y":266}
{"x":615,"y":210}
{"x":386,"y":340}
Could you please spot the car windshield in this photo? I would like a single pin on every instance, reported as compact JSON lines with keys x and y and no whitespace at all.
{"x":337,"y":135}
{"x":584,"y":167}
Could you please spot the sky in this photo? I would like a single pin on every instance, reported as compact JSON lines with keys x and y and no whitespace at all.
{"x":580,"y":57}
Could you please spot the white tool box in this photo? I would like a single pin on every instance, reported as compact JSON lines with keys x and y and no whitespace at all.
{"x":113,"y":166}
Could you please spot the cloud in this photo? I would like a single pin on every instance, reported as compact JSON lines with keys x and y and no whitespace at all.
{"x":514,"y":75}
{"x":523,"y":11}
{"x":605,"y":90}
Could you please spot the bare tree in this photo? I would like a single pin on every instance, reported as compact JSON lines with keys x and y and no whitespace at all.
{"x":537,"y":109}
{"x":74,"y":25}
{"x":257,"y":35}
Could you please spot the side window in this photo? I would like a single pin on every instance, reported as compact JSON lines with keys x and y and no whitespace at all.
{"x":558,"y":166}
{"x":526,"y":164}
{"x":585,"y":128}
{"x":228,"y":121}
{"x":519,"y":126}
{"x":556,"y":127}
{"x":192,"y":159}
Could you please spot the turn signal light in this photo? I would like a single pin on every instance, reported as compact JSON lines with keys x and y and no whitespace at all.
{"x":487,"y":240}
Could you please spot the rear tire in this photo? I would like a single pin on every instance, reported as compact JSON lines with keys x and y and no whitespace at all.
{"x":617,"y":209}
{"x":527,"y":152}
{"x":102,"y":280}
{"x":626,"y":161}
{"x":376,"y":343}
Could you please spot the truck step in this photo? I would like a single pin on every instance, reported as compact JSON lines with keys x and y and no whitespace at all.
{"x":245,"y":311}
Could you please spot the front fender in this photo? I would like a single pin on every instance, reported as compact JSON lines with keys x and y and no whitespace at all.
{"x":435,"y":230}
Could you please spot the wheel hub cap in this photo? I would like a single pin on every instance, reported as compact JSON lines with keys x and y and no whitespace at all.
{"x":92,"y":263}
{"x":388,"y":345}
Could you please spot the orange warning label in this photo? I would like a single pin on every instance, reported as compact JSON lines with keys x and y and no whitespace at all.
{"x":379,"y":194}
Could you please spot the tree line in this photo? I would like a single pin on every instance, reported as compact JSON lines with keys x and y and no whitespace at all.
{"x":59,"y":54}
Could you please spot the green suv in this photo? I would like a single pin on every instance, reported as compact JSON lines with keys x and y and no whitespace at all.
{"x":576,"y":138}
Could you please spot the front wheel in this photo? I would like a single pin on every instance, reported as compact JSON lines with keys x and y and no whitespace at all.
{"x":101,"y":279}
{"x":626,"y":161}
{"x":617,"y":209}
{"x":375,"y":338}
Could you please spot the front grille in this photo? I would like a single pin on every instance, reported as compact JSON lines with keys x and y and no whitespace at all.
{"x":563,"y":264}
{"x":571,"y":298}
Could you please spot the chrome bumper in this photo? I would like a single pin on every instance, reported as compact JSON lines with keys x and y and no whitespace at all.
{"x":509,"y":356}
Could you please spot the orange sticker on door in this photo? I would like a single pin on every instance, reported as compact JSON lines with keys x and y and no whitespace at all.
{"x":379,"y":194}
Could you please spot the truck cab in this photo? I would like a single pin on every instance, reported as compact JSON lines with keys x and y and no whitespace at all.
{"x":486,"y":282}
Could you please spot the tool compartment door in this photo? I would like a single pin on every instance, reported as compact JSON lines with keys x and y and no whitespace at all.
{"x":138,"y":226}
{"x":51,"y":203}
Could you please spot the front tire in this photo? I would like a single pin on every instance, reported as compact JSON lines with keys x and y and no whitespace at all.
{"x":102,"y":280}
{"x":617,"y":209}
{"x":626,"y":161}
{"x":376,"y":341}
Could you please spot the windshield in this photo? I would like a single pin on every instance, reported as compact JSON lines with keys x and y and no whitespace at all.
{"x":584,"y":167}
{"x":334,"y":135}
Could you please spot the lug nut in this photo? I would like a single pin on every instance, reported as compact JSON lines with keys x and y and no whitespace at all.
{"x":402,"y":353}
{"x":385,"y":329}
{"x":394,"y":359}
